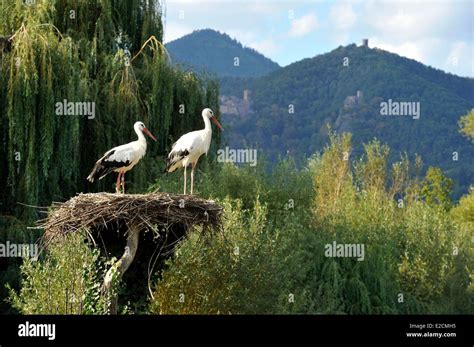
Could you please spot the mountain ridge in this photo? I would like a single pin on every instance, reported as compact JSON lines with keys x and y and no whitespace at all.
{"x":318,"y":87}
{"x":210,"y":51}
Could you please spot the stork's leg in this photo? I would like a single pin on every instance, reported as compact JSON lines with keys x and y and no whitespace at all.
{"x":185,"y":179}
{"x":117,"y":187}
{"x":192,"y":177}
{"x":123,"y":183}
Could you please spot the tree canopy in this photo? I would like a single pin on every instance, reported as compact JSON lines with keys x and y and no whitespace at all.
{"x":107,"y":53}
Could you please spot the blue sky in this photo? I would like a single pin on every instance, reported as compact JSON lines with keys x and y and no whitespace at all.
{"x":439,"y":33}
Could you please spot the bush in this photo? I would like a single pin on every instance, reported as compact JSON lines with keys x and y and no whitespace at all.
{"x":410,"y":244}
{"x":271,"y":256}
{"x":416,"y":258}
{"x":66,"y":281}
{"x":229,"y":272}
{"x":14,"y":231}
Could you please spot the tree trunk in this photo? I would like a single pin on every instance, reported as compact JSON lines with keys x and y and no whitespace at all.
{"x":118,"y":269}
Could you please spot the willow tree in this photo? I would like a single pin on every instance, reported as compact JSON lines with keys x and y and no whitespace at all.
{"x":105,"y":52}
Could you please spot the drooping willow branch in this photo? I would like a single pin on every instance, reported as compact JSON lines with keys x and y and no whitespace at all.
{"x":51,"y":59}
{"x":157,"y":46}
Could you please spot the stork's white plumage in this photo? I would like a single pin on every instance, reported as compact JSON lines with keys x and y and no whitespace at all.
{"x":122,"y":158}
{"x":189,"y":148}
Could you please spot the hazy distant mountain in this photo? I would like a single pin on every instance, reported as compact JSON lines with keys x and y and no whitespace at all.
{"x":216,"y":53}
{"x":322,"y":90}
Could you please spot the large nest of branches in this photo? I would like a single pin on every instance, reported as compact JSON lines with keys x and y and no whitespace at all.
{"x":142,"y":229}
{"x":146,"y":212}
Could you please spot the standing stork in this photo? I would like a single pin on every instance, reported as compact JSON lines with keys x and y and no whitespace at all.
{"x":122,"y":158}
{"x":191,"y":146}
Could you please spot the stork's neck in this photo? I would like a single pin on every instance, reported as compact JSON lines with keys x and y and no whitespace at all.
{"x":207,"y":124}
{"x":141,"y":137}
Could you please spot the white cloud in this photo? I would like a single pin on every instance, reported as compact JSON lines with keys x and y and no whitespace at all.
{"x":254,"y":40}
{"x":265,"y":8}
{"x":459,"y":58}
{"x":175,"y":30}
{"x":455,"y":57}
{"x":266,"y":47}
{"x":412,"y":50}
{"x":436,"y":33}
{"x":343,"y":16}
{"x":406,"y":20}
{"x":244,"y":36}
{"x":457,"y":51}
{"x":304,"y":25}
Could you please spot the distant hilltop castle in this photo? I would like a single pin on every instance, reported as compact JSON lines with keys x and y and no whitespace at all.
{"x":234,"y":105}
{"x":353,"y":100}
{"x":365,"y":42}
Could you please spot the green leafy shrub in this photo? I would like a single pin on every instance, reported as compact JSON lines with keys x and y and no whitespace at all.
{"x":416,"y":257}
{"x":229,"y":272}
{"x":409,"y":243}
{"x":66,"y":281}
{"x":270,"y":257}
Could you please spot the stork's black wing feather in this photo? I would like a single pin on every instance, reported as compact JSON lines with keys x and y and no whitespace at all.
{"x":174,"y":157}
{"x":106,"y":165}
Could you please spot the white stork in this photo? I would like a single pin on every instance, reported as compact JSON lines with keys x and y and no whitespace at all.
{"x":122,"y":158}
{"x":191,"y":146}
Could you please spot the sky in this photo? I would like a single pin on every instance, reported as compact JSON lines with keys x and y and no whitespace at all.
{"x":438,"y":33}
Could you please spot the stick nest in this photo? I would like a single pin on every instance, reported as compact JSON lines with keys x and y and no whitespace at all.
{"x":143,"y":211}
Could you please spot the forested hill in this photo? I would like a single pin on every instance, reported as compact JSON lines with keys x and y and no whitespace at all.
{"x":320,"y":89}
{"x":214,"y":52}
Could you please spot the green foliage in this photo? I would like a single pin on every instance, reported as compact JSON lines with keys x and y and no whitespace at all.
{"x":416,"y":257}
{"x":241,"y":278}
{"x":119,"y":65}
{"x":111,"y":54}
{"x":332,"y":178}
{"x":463,"y":213}
{"x":467,"y":125}
{"x":67,"y":280}
{"x":58,"y":284}
{"x":214,"y":180}
{"x":436,"y":188}
{"x":12,"y":230}
{"x":270,"y":257}
{"x":317,"y":88}
{"x":416,"y":240}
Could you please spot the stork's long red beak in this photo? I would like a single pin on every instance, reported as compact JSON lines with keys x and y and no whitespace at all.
{"x":215,"y":121}
{"x":146,"y":131}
